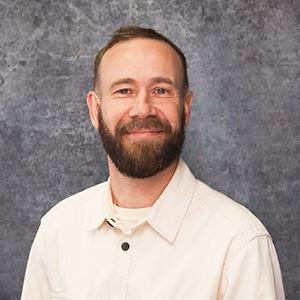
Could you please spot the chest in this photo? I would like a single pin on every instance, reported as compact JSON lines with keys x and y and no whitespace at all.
{"x":107,"y":264}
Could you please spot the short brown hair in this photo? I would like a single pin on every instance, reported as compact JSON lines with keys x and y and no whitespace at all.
{"x":133,"y":32}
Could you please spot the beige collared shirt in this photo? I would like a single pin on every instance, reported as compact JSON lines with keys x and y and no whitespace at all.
{"x":194,"y":243}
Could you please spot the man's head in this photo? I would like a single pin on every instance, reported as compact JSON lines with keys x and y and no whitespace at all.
{"x":141,"y":104}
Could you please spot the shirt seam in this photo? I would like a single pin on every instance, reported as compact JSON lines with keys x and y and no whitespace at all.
{"x":63,"y":296}
{"x":46,"y":246}
{"x":247,"y":239}
{"x":242,"y":227}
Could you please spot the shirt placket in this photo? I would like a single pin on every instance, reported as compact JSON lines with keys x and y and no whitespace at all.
{"x":122,"y":266}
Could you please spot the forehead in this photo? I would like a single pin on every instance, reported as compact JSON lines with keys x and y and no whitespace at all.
{"x":141,"y":58}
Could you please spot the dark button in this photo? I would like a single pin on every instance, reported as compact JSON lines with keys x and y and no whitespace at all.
{"x":125,"y":246}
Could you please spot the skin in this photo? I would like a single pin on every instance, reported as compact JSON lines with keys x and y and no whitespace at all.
{"x":140,"y":78}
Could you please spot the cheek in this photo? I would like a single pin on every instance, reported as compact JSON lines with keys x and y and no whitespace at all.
{"x":173,"y":115}
{"x":113,"y":114}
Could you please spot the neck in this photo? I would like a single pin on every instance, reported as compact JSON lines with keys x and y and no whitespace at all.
{"x":138,"y":193}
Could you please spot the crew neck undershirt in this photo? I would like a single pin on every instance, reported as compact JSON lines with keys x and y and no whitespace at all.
{"x":128,"y":217}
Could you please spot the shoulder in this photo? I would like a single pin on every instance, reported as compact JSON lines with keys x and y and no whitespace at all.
{"x":223,"y":223}
{"x":227,"y":212}
{"x":75,"y":205}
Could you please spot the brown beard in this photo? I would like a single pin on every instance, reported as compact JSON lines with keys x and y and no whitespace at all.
{"x":142,"y":159}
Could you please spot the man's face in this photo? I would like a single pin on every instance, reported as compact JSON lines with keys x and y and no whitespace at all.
{"x":141,"y":112}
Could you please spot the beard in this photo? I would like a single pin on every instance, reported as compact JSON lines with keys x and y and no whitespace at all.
{"x":144,"y":158}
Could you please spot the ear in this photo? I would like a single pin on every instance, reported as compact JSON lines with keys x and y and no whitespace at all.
{"x":188,"y":98}
{"x":93,"y":102}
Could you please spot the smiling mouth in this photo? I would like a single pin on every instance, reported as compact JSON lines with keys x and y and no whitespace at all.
{"x":144,"y":132}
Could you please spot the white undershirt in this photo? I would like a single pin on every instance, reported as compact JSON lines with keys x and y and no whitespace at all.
{"x":128,"y":217}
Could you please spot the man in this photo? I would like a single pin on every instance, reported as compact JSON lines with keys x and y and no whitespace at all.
{"x":152,"y":231}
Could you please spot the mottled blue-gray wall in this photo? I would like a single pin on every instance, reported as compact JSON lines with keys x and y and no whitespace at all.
{"x":243,"y":140}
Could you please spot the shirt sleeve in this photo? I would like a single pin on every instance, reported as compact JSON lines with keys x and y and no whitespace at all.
{"x":36,"y":284}
{"x":253,"y":274}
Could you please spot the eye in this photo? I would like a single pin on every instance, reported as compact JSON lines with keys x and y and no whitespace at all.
{"x":161,"y":91}
{"x":123,"y":91}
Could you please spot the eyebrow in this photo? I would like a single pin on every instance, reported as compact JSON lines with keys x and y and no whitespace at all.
{"x":121,"y":81}
{"x":133,"y":81}
{"x":164,"y":80}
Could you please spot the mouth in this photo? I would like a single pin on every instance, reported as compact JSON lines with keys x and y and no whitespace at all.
{"x":144,"y":133}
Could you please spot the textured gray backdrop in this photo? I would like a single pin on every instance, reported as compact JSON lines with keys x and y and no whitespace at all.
{"x":243,"y":140}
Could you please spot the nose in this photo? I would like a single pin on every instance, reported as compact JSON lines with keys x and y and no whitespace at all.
{"x":142,"y":107}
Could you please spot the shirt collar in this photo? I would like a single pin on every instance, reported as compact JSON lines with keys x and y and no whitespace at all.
{"x":100,"y":207}
{"x":94,"y":213}
{"x":167,"y":213}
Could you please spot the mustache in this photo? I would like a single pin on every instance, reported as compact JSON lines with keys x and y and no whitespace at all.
{"x":148,"y":123}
